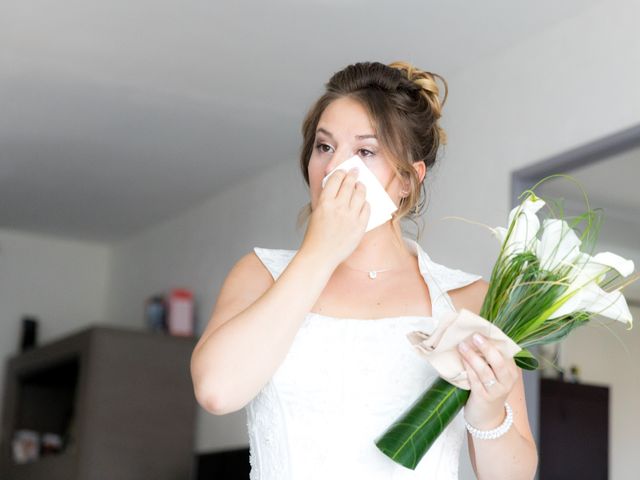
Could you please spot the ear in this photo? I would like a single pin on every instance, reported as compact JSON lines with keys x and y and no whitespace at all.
{"x":421,"y":170}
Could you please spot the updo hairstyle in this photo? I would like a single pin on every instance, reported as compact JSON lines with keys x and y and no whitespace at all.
{"x":404,"y":105}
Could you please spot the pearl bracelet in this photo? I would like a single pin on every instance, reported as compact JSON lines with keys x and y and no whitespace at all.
{"x":496,"y":432}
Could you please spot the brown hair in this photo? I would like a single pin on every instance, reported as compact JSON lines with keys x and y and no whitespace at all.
{"x":404,"y":105}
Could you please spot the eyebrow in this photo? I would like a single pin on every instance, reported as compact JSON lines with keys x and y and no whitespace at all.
{"x":358,"y":137}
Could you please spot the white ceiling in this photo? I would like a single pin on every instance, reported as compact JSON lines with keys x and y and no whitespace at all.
{"x":119,"y":114}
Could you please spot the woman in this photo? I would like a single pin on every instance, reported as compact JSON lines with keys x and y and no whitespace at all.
{"x":313,"y":341}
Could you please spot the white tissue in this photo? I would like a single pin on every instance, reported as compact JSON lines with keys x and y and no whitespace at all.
{"x":381,"y":204}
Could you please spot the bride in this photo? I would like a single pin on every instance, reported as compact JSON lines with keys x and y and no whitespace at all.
{"x":312,"y":342}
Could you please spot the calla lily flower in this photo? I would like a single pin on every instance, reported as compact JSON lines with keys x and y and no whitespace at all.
{"x":593,"y":299}
{"x":595,"y":267}
{"x":525,"y":228}
{"x":559,"y":244}
{"x":585,"y":292}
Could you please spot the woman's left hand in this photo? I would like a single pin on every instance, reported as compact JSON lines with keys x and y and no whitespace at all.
{"x":485,"y":364}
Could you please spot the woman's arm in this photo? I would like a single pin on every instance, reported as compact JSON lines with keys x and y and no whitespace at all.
{"x":255,"y":320}
{"x":514,"y":455}
{"x":252,"y":327}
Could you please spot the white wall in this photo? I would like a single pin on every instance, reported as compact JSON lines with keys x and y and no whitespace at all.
{"x":196,"y":251}
{"x":61,"y":282}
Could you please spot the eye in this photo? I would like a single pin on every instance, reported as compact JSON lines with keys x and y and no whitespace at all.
{"x":323,"y":147}
{"x":366,"y":153}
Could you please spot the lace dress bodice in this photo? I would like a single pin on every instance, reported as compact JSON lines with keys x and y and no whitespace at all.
{"x":341,"y":384}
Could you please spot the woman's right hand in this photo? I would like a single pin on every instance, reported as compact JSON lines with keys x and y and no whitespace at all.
{"x":339,"y":220}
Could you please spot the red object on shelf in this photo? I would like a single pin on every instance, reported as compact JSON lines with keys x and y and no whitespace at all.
{"x":181,"y":313}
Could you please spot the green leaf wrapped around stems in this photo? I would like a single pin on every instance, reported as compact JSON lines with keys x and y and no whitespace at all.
{"x":412,"y":434}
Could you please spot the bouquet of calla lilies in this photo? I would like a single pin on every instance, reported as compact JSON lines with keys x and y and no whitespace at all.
{"x":544,"y":284}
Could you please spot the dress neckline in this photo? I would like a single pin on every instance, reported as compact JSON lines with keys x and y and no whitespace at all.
{"x":312,"y":315}
{"x":417,"y":252}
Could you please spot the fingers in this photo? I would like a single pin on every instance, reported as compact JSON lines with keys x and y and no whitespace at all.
{"x":346,"y":187}
{"x":504,"y":367}
{"x":476,"y":366}
{"x":358,"y":196}
{"x":349,"y":192}
{"x":474,"y":380}
{"x":492,"y":355}
{"x":484,"y":362}
{"x":333,"y":183}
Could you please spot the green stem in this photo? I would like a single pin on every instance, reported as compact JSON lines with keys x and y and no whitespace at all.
{"x":412,"y":434}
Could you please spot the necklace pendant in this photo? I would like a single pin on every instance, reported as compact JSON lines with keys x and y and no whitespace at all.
{"x":373,"y":274}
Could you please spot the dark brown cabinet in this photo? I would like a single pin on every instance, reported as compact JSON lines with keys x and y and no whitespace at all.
{"x":574,"y":431}
{"x":121,"y":399}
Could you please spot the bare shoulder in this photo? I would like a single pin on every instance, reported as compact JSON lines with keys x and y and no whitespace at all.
{"x":247,"y":280}
{"x":470,"y":296}
{"x":247,"y":276}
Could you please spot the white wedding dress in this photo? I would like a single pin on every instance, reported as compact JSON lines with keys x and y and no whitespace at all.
{"x":342,"y":383}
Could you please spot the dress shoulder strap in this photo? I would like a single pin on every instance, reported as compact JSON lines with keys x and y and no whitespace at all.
{"x":275,"y":259}
{"x":441,"y":279}
{"x":451,"y":278}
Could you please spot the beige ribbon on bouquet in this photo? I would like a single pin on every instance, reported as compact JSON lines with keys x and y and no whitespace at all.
{"x":440,"y":348}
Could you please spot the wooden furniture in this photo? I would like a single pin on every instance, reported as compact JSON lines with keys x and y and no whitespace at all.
{"x":122,"y":399}
{"x":574,"y":430}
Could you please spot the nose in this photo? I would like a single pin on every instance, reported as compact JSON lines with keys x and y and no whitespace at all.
{"x":336,"y":160}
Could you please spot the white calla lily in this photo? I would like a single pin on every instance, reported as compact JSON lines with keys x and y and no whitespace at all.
{"x":593,"y":299}
{"x":586,"y":293}
{"x":594,"y":268}
{"x":525,"y":227}
{"x":609,"y":259}
{"x":559,"y":244}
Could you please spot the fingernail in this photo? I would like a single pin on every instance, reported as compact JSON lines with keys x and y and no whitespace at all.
{"x":463,"y":347}
{"x":478,"y":339}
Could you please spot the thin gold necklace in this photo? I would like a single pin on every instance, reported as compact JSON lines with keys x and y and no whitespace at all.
{"x":372,"y":273}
